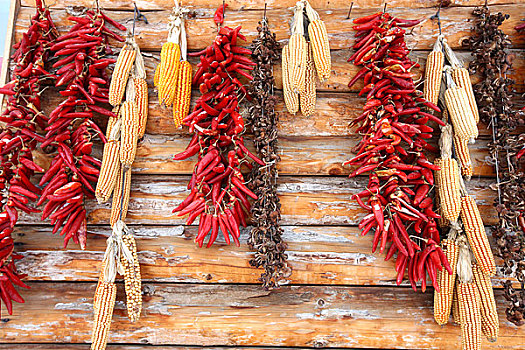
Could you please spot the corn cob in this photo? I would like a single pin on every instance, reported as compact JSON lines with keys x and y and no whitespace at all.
{"x":319,"y":44}
{"x":119,"y":79}
{"x":442,"y":222}
{"x":129,"y":132}
{"x":489,"y":313}
{"x":291,"y":99}
{"x":446,"y":282}
{"x":100,"y":280}
{"x":105,"y":296}
{"x":132,"y":282}
{"x":463,"y":155}
{"x":455,"y":306}
{"x":433,"y":73}
{"x":181,"y":104}
{"x":121,"y":196}
{"x":111,"y":123}
{"x":308,"y":97}
{"x":141,"y":88}
{"x":297,"y":53}
{"x":449,"y":189}
{"x":477,"y":236}
{"x":469,"y":303}
{"x":108,"y":171}
{"x":320,"y":48}
{"x":460,"y":113}
{"x":462,"y":80}
{"x":170,"y":62}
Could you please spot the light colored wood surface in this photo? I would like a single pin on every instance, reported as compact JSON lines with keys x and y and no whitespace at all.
{"x":241,"y":315}
{"x":456,"y":24}
{"x":341,"y":294}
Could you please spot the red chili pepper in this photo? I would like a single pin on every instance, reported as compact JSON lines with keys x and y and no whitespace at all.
{"x":218,"y":17}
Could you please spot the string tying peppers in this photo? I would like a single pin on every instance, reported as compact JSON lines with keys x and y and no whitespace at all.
{"x":219,"y":195}
{"x":394,"y":132}
{"x":22,"y":117}
{"x":81,"y":67}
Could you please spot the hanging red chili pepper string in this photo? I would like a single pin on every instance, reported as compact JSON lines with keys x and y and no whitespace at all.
{"x":22,"y":117}
{"x":394,"y":132}
{"x":81,"y":67}
{"x":219,"y":195}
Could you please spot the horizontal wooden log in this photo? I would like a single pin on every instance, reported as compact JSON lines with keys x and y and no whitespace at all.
{"x":456,"y":23}
{"x":305,"y":201}
{"x":299,"y":155}
{"x":259,"y":4}
{"x":336,"y":255}
{"x":240,"y":315}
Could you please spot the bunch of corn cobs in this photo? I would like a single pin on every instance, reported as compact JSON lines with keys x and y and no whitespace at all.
{"x":128,"y":93}
{"x":492,"y":61}
{"x":467,"y":292}
{"x":266,"y":235}
{"x":306,"y":56}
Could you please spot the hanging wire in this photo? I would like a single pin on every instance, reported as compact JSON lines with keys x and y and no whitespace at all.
{"x":384,"y":7}
{"x":350,"y":10}
{"x":436,"y":16}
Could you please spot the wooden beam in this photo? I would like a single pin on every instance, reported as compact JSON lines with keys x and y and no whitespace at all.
{"x":243,"y":315}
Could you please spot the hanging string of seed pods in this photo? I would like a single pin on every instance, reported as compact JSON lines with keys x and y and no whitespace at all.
{"x":123,"y":133}
{"x":303,"y":60}
{"x":266,"y":234}
{"x":492,"y":61}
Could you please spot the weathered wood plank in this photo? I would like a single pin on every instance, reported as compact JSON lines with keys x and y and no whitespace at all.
{"x":305,"y":201}
{"x":299,"y":155}
{"x":324,"y":316}
{"x":336,"y":255}
{"x":201,"y":30}
{"x":258,"y":4}
{"x":334,"y":112}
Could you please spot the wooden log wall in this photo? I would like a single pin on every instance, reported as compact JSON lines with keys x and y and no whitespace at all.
{"x":339,"y":295}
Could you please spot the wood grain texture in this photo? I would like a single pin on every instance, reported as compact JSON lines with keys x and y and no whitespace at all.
{"x":238,"y":315}
{"x":299,"y":155}
{"x":338,"y":255}
{"x":201,"y":30}
{"x":258,"y":4}
{"x":305,"y":201}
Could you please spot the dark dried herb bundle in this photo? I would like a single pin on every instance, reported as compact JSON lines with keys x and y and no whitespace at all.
{"x":266,"y":235}
{"x":492,"y":62}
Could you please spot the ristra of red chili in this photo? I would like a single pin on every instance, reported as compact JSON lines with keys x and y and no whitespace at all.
{"x":393,"y":127}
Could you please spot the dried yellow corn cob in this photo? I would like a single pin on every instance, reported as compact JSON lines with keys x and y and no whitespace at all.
{"x":308,"y":97}
{"x":105,"y":296}
{"x":489,"y":313}
{"x":462,"y":79}
{"x":121,"y":196}
{"x":460,"y":113}
{"x":320,"y":48}
{"x":132,"y":282}
{"x":141,"y":99}
{"x":297,"y":52}
{"x":477,"y":236}
{"x":291,"y":99}
{"x":170,"y":63}
{"x":442,"y":222}
{"x":108,"y":171}
{"x":463,"y":155}
{"x":449,"y":189}
{"x":469,"y":303}
{"x":129,"y":132}
{"x":181,"y":104}
{"x":119,"y":79}
{"x":434,"y":73}
{"x":446,"y":282}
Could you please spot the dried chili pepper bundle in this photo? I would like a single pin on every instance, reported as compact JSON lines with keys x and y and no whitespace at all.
{"x":266,"y":235}
{"x":21,"y":121}
{"x":394,"y":132}
{"x":492,"y":61}
{"x":81,"y":68}
{"x":219,"y":195}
